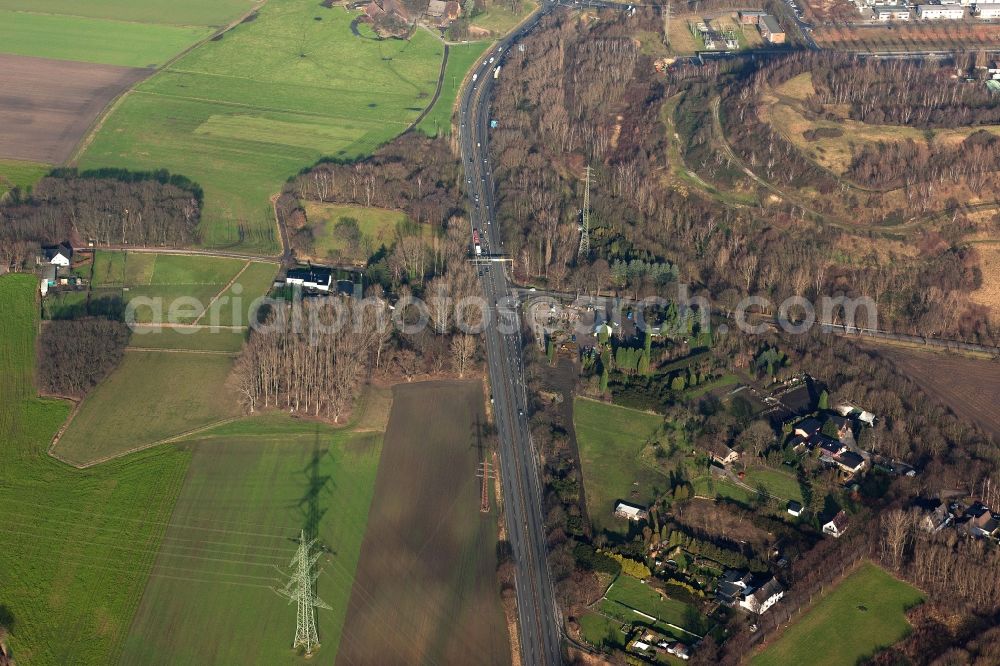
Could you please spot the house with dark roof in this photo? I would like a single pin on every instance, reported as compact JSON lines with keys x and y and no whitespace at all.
{"x":830,"y":447}
{"x":981,"y":521}
{"x":763,"y":596}
{"x":808,"y":428}
{"x":836,"y":526}
{"x":933,"y":514}
{"x":314,"y":278}
{"x":794,"y":508}
{"x":731,"y":586}
{"x":60,"y":255}
{"x":850,"y":462}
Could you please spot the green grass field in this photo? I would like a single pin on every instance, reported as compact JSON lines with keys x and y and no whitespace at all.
{"x":610,"y":440}
{"x":600,"y":631}
{"x":14,"y":173}
{"x":863,"y":613}
{"x":149,"y":397}
{"x":168,"y":283}
{"x":242,"y":114}
{"x":776,"y":482}
{"x":168,"y":12}
{"x":253,"y":485}
{"x":629,"y":592}
{"x":461,"y":58}
{"x":378,"y":227}
{"x":78,"y":545}
{"x":93,"y":40}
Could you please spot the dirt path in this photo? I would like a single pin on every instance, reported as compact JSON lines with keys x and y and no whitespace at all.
{"x":221,"y":292}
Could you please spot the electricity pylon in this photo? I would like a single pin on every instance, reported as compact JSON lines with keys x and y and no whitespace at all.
{"x":300,"y":589}
{"x":585,"y":227}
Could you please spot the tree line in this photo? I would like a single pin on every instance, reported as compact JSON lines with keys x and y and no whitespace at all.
{"x":107,"y":207}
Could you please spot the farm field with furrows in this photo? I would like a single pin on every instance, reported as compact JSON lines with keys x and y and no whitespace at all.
{"x":78,"y":545}
{"x":46,"y":106}
{"x":166,"y":12}
{"x":425,"y":590}
{"x":242,"y":114}
{"x":252,"y":486}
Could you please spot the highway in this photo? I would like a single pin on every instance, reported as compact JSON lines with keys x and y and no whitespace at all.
{"x":538,"y":614}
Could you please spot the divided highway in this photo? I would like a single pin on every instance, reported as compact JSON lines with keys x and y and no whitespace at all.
{"x":538,"y":614}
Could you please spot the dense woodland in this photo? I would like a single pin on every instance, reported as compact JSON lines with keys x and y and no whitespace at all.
{"x":303,"y":359}
{"x":583,"y":92}
{"x":109,"y":207}
{"x":74,"y":355}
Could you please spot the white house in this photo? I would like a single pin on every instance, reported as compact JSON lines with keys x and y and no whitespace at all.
{"x":794,"y":508}
{"x":763,"y":597}
{"x":630,"y":511}
{"x":836,"y":526}
{"x":313,"y":277}
{"x":937,"y":12}
{"x":58,"y":255}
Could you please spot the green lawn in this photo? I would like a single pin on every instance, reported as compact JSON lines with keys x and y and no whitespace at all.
{"x":600,"y":631}
{"x":169,"y":12}
{"x":863,"y":613}
{"x":78,"y":545}
{"x":461,"y":58}
{"x":705,"y":486}
{"x":631,"y":593}
{"x":149,"y":397}
{"x":610,"y":440}
{"x":195,"y":288}
{"x":378,"y":227}
{"x":776,"y":481}
{"x":93,"y":40}
{"x":15,"y":173}
{"x":253,"y":485}
{"x":241,"y":115}
{"x":197,"y":339}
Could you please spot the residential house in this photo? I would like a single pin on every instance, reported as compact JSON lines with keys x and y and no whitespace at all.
{"x":842,"y":424}
{"x":836,"y":526}
{"x":850,"y":462}
{"x":938,"y":12}
{"x":934,"y":515}
{"x":58,"y":255}
{"x":798,"y":443}
{"x":680,"y":650}
{"x":830,"y":447}
{"x":763,"y":597}
{"x":808,"y":428}
{"x":794,"y":508}
{"x":771,"y":30}
{"x":315,"y":278}
{"x":981,"y":521}
{"x":721,"y":453}
{"x":630,"y":511}
{"x":731,"y":586}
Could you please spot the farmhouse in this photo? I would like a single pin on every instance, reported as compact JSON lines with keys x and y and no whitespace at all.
{"x":763,"y":597}
{"x":720,"y":453}
{"x":771,"y":30}
{"x":836,"y":526}
{"x":314,"y":278}
{"x":58,"y":255}
{"x":630,"y":511}
{"x":937,"y":12}
{"x":891,"y":13}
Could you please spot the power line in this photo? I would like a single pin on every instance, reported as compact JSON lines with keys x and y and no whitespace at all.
{"x":585,"y":227}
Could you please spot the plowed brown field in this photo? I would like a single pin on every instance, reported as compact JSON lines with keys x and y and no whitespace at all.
{"x":969,"y":386}
{"x":47,"y":106}
{"x":425,"y":590}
